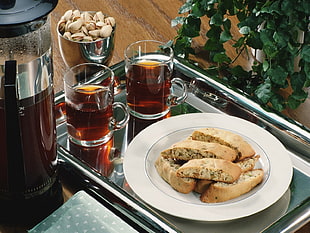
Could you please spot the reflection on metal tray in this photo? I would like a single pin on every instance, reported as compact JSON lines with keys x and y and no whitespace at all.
{"x":205,"y":95}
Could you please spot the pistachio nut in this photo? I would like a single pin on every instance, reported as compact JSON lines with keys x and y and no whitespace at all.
{"x":86,"y":16}
{"x":79,"y":36}
{"x":100,"y":24}
{"x":99,"y":16}
{"x":94,"y":33}
{"x":106,"y":31}
{"x":67,"y":35}
{"x":67,"y":15}
{"x":85,"y":26}
{"x":110,"y":21}
{"x":75,"y":26}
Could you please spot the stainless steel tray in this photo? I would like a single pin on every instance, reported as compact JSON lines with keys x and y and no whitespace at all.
{"x":206,"y":94}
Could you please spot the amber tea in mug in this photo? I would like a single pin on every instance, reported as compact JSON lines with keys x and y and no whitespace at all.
{"x":86,"y":107}
{"x":90,"y":104}
{"x":148,"y":87}
{"x":149,"y":68}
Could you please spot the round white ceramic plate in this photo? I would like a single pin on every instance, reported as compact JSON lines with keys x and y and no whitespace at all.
{"x":144,"y":180}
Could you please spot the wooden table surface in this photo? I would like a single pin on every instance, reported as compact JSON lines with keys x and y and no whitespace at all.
{"x":146,"y":19}
{"x":136,"y":20}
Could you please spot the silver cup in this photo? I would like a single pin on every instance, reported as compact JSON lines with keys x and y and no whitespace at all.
{"x":75,"y":52}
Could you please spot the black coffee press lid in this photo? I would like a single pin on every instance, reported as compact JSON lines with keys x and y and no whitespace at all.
{"x":16,"y":15}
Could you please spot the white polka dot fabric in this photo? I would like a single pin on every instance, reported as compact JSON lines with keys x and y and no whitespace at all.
{"x":81,"y":214}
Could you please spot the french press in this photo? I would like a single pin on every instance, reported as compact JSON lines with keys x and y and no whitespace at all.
{"x":28,"y":157}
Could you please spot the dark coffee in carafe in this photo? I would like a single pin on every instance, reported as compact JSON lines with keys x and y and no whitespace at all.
{"x":28,"y":157}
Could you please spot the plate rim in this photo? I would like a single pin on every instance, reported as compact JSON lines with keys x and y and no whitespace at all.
{"x":212,"y":212}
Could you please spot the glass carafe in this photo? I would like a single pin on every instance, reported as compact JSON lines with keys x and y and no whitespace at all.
{"x":28,"y":156}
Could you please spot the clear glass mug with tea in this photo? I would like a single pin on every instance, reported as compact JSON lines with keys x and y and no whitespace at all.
{"x":151,"y":90}
{"x":90,"y":106}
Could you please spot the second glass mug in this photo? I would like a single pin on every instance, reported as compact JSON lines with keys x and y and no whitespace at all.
{"x":89,"y":98}
{"x":150,"y":89}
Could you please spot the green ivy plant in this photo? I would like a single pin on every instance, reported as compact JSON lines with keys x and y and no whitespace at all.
{"x":272,"y":26}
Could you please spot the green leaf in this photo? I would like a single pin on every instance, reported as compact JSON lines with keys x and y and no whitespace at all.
{"x":216,"y":19}
{"x":245,"y":30}
{"x":221,"y":58}
{"x":214,"y":32}
{"x":186,"y":7}
{"x":239,"y":5}
{"x":265,"y":65}
{"x":296,"y":98}
{"x":213,"y":45}
{"x":270,"y":50}
{"x":254,"y":41}
{"x":204,"y":4}
{"x":227,"y":24}
{"x":264,"y":91}
{"x":287,"y":6}
{"x":177,"y":20}
{"x":297,"y":81}
{"x":239,"y":42}
{"x":182,"y":47}
{"x":275,"y":7}
{"x":305,"y":53}
{"x":250,"y":21}
{"x":277,"y":102}
{"x":280,"y":38}
{"x":227,"y":5}
{"x":197,"y":10}
{"x":225,"y":36}
{"x":191,"y":27}
{"x":266,"y":36}
{"x":278,"y":75}
{"x":305,"y":6}
{"x":241,"y":16}
{"x":292,"y":103}
{"x":238,"y":71}
{"x":307,"y":74}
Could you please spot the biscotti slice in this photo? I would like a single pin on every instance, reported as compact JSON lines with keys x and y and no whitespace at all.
{"x":220,"y":191}
{"x":248,"y":163}
{"x":226,"y":138}
{"x":202,"y":185}
{"x":167,"y":168}
{"x":190,"y":149}
{"x":210,"y":169}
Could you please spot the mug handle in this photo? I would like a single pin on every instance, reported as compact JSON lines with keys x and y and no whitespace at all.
{"x":177,"y":83}
{"x":116,"y":125}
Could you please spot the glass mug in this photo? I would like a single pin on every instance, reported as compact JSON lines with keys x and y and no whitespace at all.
{"x":150,"y":89}
{"x":90,"y":106}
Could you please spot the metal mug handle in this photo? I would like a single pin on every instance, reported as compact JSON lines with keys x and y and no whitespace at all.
{"x":177,"y":83}
{"x":116,"y":125}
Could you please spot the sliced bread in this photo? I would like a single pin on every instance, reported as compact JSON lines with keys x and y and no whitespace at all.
{"x":220,"y":191}
{"x":202,"y":185}
{"x":226,"y":138}
{"x":210,"y":169}
{"x":248,"y":163}
{"x":191,"y":149}
{"x":167,"y":168}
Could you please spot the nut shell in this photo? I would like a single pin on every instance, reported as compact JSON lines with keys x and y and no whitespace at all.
{"x":85,"y":26}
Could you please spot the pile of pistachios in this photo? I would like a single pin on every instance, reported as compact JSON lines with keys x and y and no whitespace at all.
{"x":85,"y":26}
